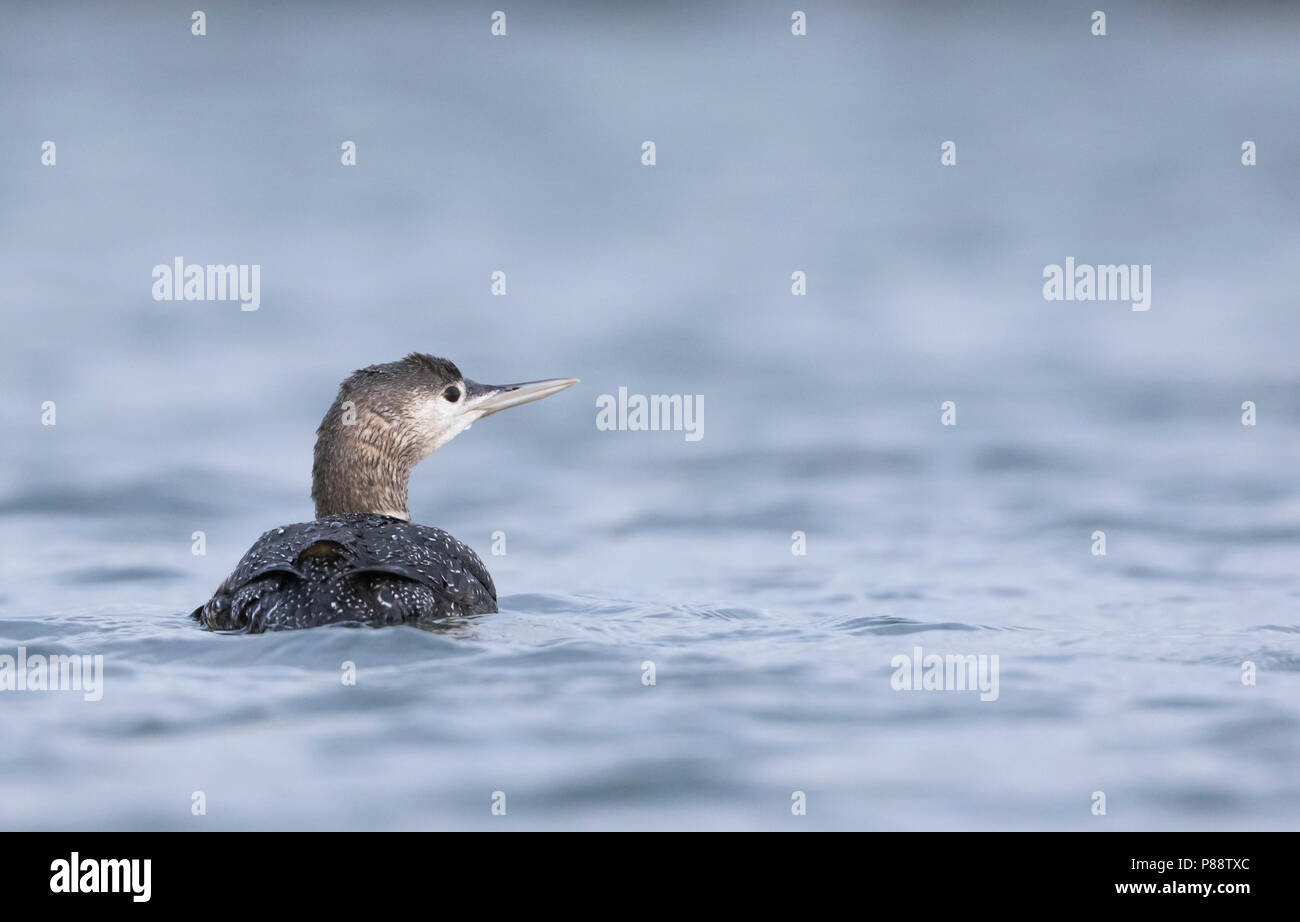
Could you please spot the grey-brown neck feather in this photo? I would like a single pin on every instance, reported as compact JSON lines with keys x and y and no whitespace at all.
{"x":363,"y":461}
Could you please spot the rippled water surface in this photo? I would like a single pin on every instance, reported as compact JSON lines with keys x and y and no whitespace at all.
{"x":1119,"y":673}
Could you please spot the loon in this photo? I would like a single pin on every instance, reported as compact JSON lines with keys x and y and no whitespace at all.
{"x":363,"y":561}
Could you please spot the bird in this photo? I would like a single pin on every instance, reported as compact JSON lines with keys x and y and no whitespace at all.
{"x":362,"y":561}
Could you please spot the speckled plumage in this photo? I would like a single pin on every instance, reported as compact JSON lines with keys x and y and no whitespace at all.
{"x":354,"y":568}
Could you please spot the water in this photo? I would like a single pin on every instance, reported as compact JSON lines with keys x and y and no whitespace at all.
{"x":1119,"y":674}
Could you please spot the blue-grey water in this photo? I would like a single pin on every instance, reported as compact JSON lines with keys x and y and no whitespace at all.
{"x":1120,"y":674}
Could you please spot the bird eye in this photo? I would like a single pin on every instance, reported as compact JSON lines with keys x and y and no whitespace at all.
{"x":452,"y":394}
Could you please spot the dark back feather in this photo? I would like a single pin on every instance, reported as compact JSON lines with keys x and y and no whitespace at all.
{"x":359,"y":568}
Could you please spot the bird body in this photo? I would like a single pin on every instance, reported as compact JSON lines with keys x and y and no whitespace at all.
{"x":356,"y":568}
{"x":362,"y":561}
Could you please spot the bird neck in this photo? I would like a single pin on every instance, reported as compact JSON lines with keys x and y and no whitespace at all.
{"x":362,"y":464}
